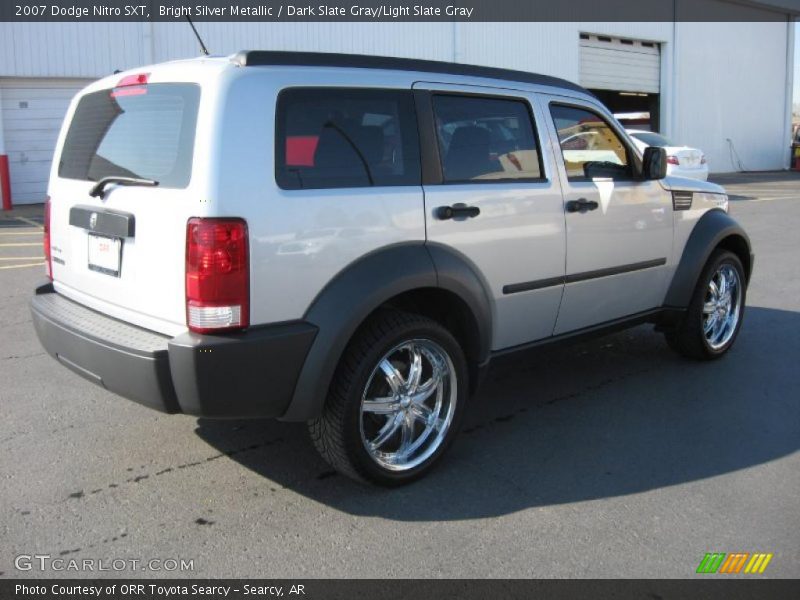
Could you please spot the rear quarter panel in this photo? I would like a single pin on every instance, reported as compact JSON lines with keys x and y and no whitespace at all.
{"x":299,"y":239}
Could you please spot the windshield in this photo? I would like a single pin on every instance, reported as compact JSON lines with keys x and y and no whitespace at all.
{"x":145,"y":132}
{"x":652,"y":139}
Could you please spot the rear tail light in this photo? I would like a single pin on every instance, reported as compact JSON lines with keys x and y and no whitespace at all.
{"x":673,"y":160}
{"x":703,"y":159}
{"x":217,"y":275}
{"x":48,"y":257}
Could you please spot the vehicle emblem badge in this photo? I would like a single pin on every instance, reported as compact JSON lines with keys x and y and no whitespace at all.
{"x":93,"y":221}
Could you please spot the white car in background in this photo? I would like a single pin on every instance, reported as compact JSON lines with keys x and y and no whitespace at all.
{"x":681,"y":160}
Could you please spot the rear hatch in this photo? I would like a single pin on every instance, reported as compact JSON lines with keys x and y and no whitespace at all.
{"x":122,"y":251}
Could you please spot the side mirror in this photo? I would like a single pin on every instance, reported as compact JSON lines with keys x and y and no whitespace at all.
{"x":654,"y":163}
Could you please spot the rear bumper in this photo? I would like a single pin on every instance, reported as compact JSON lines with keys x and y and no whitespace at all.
{"x":248,"y":374}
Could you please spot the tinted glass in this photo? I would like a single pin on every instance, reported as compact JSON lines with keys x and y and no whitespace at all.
{"x":652,"y":139}
{"x":485,"y":139}
{"x":589,"y":146}
{"x":332,"y":138}
{"x":144,"y":131}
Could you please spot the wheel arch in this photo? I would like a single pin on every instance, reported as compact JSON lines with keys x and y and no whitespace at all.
{"x":433,"y":281}
{"x":453,"y":313}
{"x":740,"y":246}
{"x":715,"y":229}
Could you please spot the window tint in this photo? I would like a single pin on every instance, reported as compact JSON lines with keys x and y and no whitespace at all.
{"x":589,"y":146}
{"x":145,"y":132}
{"x":331,"y":138}
{"x":485,"y":139}
{"x":652,"y":139}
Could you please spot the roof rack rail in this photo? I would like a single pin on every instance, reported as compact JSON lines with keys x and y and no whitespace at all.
{"x":249,"y":58}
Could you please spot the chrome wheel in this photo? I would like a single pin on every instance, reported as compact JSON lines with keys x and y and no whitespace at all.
{"x":408,"y":404}
{"x":722,"y":306}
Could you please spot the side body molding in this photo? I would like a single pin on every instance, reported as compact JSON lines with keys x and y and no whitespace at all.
{"x":711,"y":229}
{"x":356,"y":292}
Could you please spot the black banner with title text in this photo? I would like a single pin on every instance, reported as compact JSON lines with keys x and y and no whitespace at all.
{"x":398,"y":11}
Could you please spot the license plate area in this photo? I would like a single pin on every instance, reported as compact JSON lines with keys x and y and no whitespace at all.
{"x":105,"y":254}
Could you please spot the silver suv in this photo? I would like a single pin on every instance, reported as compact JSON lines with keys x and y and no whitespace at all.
{"x":350,"y":240}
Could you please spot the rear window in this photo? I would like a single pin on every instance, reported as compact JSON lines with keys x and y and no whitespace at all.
{"x":334,"y":138}
{"x":145,"y":132}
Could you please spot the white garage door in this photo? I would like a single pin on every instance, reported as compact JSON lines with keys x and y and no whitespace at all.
{"x":32,"y":112}
{"x":620,"y":64}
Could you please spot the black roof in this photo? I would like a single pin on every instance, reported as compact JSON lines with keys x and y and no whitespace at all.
{"x":248,"y":58}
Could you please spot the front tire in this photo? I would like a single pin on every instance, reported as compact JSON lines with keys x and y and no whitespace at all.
{"x":714,"y":316}
{"x":396,"y":401}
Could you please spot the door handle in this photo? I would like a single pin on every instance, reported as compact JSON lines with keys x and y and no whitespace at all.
{"x":457,"y":210}
{"x":581,"y":205}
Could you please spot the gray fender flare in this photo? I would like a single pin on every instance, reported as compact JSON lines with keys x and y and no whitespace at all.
{"x":363,"y":286}
{"x":711,"y":229}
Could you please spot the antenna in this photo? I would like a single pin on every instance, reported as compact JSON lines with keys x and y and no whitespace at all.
{"x":197,"y":35}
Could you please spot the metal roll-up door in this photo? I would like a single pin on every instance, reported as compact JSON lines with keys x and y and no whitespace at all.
{"x":31,"y":116}
{"x":620,"y":64}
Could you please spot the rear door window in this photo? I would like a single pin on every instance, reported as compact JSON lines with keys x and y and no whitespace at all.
{"x":334,"y":138}
{"x":143,"y":131}
{"x":485,"y":139}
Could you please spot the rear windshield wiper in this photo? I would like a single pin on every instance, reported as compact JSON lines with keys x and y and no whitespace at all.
{"x":98,"y":189}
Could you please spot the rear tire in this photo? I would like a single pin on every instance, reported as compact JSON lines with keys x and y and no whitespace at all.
{"x":716,"y":310}
{"x":396,"y":400}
